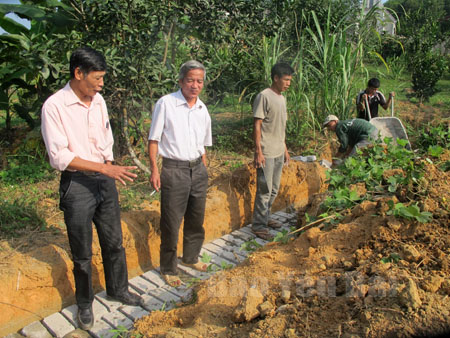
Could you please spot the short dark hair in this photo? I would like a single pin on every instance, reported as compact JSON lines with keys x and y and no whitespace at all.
{"x":374,"y":83}
{"x":88,"y":60}
{"x":281,"y":69}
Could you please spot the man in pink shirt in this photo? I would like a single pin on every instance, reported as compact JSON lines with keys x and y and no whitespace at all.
{"x":79,"y":141}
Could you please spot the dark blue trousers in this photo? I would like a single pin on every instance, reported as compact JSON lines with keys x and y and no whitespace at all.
{"x":87,"y":199}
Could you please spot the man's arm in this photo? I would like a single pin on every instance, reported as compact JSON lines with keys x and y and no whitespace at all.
{"x":204,"y":158}
{"x":155,"y":178}
{"x":388,"y":102}
{"x":259,"y":160}
{"x":117,"y":172}
{"x":287,"y":157}
{"x":361,"y":105}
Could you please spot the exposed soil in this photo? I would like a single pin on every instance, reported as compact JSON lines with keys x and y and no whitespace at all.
{"x":332,"y":282}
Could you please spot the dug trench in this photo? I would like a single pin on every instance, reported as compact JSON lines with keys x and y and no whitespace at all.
{"x":37,"y":281}
{"x":369,"y":275}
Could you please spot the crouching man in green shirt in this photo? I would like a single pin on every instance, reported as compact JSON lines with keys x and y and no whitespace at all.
{"x":352,"y":134}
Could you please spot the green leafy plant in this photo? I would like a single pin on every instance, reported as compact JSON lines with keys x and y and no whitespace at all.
{"x":250,"y":246}
{"x":282,"y":237}
{"x":435,"y":151}
{"x":123,"y":332}
{"x":392,"y":258}
{"x":226,"y":266}
{"x":205,"y":258}
{"x":411,"y":212}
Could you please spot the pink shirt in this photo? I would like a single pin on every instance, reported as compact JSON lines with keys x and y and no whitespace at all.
{"x":71,"y":129}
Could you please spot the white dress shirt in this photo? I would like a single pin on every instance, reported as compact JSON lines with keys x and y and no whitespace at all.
{"x":182,"y":132}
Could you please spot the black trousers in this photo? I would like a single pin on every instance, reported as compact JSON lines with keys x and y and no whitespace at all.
{"x":183,"y":194}
{"x":86,"y":199}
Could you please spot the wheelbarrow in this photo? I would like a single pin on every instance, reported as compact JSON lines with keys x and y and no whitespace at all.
{"x":389,"y":126}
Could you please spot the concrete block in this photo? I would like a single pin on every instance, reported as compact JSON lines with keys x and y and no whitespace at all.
{"x":192,"y":272}
{"x":221,"y":253}
{"x":249,"y":232}
{"x":78,"y":333}
{"x":57,"y":325}
{"x":111,"y":305}
{"x":154,"y":277}
{"x":14,"y":335}
{"x":35,"y":330}
{"x":231,"y":248}
{"x":101,"y":329}
{"x":242,"y":235}
{"x":133,"y":312}
{"x":116,"y":319}
{"x":183,"y":292}
{"x":141,"y":285}
{"x":71,"y":312}
{"x":233,"y":240}
{"x":166,"y":297}
{"x":151,"y":303}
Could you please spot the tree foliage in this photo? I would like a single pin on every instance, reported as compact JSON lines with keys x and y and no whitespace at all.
{"x":145,"y":42}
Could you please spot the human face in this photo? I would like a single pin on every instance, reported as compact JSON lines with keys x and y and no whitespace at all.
{"x":91,"y":83}
{"x":280,"y":84}
{"x":332,"y":125}
{"x":192,"y":84}
{"x":371,"y":90}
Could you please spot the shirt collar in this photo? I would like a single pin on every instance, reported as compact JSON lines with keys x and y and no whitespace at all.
{"x":181,"y":100}
{"x":71,"y":98}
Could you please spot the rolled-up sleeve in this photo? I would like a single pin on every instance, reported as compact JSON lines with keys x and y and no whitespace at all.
{"x":157,"y":126}
{"x":55,"y":138}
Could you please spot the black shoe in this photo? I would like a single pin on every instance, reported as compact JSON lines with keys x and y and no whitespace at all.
{"x":85,"y":318}
{"x":128,"y":298}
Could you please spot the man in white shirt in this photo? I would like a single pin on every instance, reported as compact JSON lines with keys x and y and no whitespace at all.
{"x":180,"y":130}
{"x":79,"y":142}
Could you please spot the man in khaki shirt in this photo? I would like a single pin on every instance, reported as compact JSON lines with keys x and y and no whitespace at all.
{"x":269,"y":112}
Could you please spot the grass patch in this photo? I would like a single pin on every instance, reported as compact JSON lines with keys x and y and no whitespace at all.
{"x":18,"y":217}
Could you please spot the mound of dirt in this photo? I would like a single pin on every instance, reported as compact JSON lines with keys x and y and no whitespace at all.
{"x":372,"y":275}
{"x":36,"y":280}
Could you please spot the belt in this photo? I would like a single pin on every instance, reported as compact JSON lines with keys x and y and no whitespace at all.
{"x":82,"y":172}
{"x":181,"y":164}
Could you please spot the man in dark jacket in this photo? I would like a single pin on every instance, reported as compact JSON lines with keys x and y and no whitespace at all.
{"x":352,"y":134}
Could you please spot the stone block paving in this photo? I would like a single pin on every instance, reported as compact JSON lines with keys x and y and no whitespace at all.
{"x":111,"y":316}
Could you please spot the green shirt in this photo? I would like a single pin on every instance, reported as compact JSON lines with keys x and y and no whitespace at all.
{"x":350,"y":132}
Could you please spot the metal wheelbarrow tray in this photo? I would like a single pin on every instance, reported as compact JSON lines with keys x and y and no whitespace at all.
{"x":389,"y":126}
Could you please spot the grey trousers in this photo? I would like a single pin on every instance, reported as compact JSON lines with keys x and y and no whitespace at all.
{"x":267,"y":186}
{"x":183,"y":194}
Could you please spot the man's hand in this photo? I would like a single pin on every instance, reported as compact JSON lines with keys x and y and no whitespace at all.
{"x":287,"y":157}
{"x":119,"y":172}
{"x":391,"y":94}
{"x":155,"y":180}
{"x":260,"y":160}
